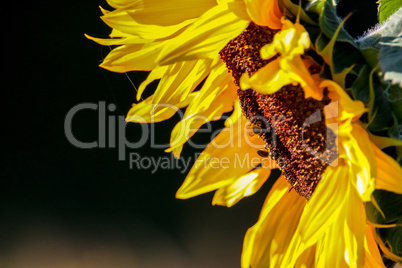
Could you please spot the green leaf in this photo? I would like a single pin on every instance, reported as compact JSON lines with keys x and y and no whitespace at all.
{"x":390,"y":205}
{"x":385,"y":111}
{"x":387,"y":8}
{"x":334,"y":44}
{"x":391,"y":49}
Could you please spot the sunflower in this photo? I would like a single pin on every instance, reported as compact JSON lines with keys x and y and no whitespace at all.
{"x":252,"y":59}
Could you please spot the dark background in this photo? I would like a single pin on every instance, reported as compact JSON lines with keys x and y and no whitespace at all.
{"x":61,"y":206}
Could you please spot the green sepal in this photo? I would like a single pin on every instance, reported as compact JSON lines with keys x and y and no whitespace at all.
{"x":334,"y":44}
{"x":340,"y":56}
{"x":316,"y":6}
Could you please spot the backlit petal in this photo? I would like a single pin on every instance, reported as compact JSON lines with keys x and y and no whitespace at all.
{"x":180,"y":79}
{"x":244,"y":186}
{"x":130,"y":57}
{"x":155,"y":19}
{"x":362,"y":162}
{"x":124,"y":3}
{"x":330,"y":250}
{"x":215,"y":98}
{"x":155,"y":74}
{"x":325,"y":204}
{"x":205,"y":37}
{"x":267,"y":241}
{"x":143,"y":112}
{"x":389,"y":172}
{"x":354,"y":231}
{"x":224,"y":160}
{"x":372,"y":253}
{"x":307,"y":258}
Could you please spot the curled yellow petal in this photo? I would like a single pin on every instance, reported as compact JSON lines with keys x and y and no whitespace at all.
{"x":288,"y":68}
{"x":291,"y":41}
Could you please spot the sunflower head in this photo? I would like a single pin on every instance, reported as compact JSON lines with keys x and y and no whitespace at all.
{"x":287,"y":85}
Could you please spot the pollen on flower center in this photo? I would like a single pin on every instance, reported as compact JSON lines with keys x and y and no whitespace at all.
{"x":292,"y":127}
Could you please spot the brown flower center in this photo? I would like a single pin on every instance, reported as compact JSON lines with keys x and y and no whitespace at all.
{"x":292,"y":127}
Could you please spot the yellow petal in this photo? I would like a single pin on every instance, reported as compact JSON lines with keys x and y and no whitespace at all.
{"x":265,"y":12}
{"x":220,"y":164}
{"x":288,"y":68}
{"x":291,"y":41}
{"x":155,"y":74}
{"x":354,"y":231}
{"x":123,"y":3}
{"x":171,"y":12}
{"x":215,"y":98}
{"x":156,"y":20}
{"x":307,"y":258}
{"x":323,"y":220}
{"x":361,"y":160}
{"x":245,"y":185}
{"x":266,"y":80}
{"x":296,"y":71}
{"x":384,"y":142}
{"x":389,"y":172}
{"x":267,"y":241}
{"x":330,"y":250}
{"x":118,"y":41}
{"x":325,"y":204}
{"x":133,"y":57}
{"x":281,"y":72}
{"x":205,"y":37}
{"x":348,"y":107}
{"x":143,"y":111}
{"x":372,"y":254}
{"x":180,"y":79}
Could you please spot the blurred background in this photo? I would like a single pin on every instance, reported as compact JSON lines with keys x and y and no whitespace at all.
{"x":62,"y":206}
